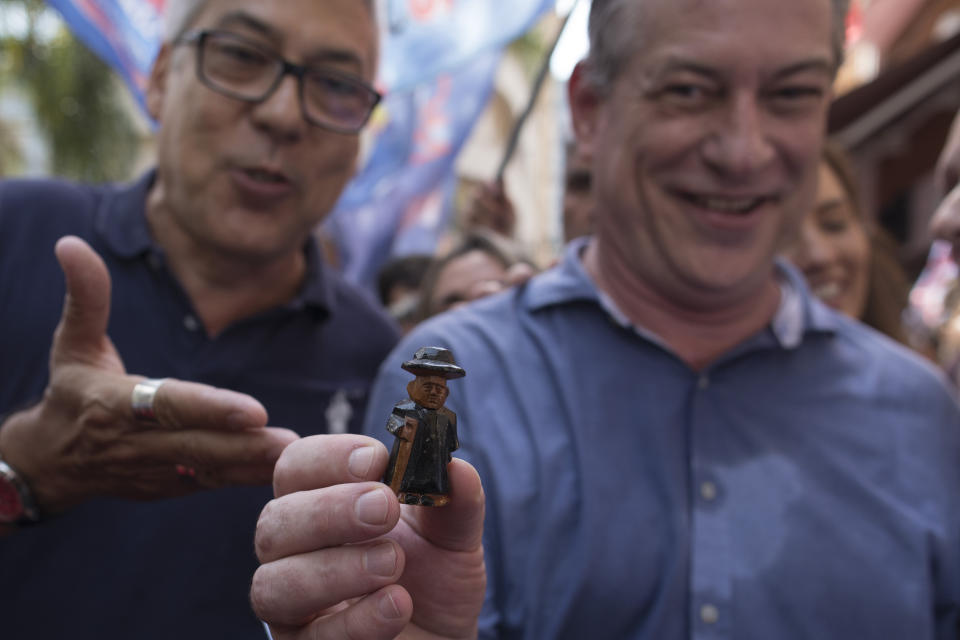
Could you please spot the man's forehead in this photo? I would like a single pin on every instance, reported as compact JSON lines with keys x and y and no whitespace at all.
{"x":674,"y":33}
{"x":344,"y":29}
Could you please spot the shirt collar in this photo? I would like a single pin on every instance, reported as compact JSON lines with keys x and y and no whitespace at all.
{"x":121,"y":223}
{"x":566,"y":282}
{"x":798,"y":314}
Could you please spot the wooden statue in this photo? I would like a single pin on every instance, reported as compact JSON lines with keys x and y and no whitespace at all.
{"x":426,"y":431}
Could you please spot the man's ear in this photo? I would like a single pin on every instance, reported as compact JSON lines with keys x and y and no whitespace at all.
{"x":584,"y":108}
{"x":157,"y":82}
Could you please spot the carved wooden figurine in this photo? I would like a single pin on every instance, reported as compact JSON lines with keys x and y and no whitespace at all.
{"x":425,"y":430}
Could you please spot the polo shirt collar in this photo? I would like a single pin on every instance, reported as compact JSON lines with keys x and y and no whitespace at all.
{"x":121,"y":223}
{"x":120,"y":220}
{"x":799,"y":313}
{"x":566,"y":282}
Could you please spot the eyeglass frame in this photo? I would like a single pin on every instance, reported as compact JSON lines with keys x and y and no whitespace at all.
{"x":298,"y":71}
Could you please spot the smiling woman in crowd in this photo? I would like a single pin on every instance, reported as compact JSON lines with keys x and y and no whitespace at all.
{"x":848,"y":263}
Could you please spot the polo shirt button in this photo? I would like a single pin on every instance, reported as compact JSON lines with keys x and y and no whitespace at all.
{"x":708,"y":491}
{"x":191,"y":323}
{"x":703,"y":382}
{"x":709,"y":614}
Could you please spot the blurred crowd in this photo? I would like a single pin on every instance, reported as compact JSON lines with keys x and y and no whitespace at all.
{"x":725,"y":411}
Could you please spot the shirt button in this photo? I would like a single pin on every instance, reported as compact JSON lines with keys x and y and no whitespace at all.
{"x":709,"y":614}
{"x":703,"y":382}
{"x":191,"y":323}
{"x":708,"y":491}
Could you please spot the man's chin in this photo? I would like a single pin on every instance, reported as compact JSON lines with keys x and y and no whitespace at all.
{"x":260,"y":248}
{"x":721,"y":283}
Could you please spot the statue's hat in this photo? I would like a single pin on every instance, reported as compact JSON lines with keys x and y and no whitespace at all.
{"x":434,"y":361}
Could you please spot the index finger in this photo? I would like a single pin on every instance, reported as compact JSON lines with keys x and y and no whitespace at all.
{"x":326,"y":460}
{"x":191,"y":405}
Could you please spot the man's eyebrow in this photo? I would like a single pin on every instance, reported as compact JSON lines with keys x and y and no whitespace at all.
{"x":245,"y":20}
{"x":676,"y":65}
{"x":813,"y":64}
{"x":337,"y":56}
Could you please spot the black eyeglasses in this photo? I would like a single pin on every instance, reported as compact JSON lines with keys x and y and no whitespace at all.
{"x":239,"y":68}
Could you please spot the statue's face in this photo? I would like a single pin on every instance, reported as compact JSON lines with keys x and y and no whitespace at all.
{"x":429,"y":391}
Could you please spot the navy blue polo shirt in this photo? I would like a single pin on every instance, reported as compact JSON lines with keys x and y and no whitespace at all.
{"x":177,"y":568}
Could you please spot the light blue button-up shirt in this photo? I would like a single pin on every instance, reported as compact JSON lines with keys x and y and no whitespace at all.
{"x":806,"y":485}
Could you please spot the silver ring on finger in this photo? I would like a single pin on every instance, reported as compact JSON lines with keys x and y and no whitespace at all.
{"x":142,"y":399}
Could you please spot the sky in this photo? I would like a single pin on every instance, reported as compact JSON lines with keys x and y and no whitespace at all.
{"x":13,"y":20}
{"x":573,"y":43}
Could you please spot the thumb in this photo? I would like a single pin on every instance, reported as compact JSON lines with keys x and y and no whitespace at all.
{"x":458,"y":526}
{"x":86,"y":308}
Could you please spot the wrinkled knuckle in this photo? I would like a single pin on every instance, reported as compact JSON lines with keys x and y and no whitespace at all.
{"x":263,"y":597}
{"x":166,"y":411}
{"x":95,"y":412}
{"x":265,"y":536}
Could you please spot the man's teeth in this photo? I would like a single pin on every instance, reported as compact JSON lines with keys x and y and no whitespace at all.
{"x":733,"y":205}
{"x":827,"y":291}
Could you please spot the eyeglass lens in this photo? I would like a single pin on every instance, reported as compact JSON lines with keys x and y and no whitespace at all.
{"x":243,"y":70}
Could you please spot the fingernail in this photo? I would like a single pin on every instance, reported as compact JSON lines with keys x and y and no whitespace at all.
{"x":381,"y":560}
{"x":372,"y":507}
{"x":360,"y":461}
{"x":388,"y":607}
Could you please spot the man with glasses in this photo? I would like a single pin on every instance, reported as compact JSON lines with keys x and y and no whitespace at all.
{"x":197,"y":305}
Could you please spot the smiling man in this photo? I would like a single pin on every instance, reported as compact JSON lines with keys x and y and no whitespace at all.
{"x":216,"y":285}
{"x":675,"y":438}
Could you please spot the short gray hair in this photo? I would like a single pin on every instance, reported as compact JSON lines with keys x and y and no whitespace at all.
{"x":179,"y":15}
{"x":612,"y":39}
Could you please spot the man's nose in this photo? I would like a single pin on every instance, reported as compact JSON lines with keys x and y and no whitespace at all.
{"x":739,"y":144}
{"x":281,"y":113}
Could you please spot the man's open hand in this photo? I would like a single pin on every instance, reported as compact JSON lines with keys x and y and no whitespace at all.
{"x":82,"y":439}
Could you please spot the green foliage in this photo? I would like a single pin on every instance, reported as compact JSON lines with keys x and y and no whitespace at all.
{"x":76,"y":99}
{"x":11,"y":156}
{"x":530,"y":48}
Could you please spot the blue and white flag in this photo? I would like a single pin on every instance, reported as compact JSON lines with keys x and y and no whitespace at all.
{"x":400,"y":202}
{"x":126,"y":34}
{"x":429,"y":37}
